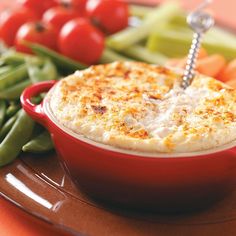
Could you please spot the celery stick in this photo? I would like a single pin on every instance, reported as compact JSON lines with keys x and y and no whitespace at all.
{"x":140,"y":11}
{"x":223,"y":35}
{"x":109,"y":56}
{"x":141,"y":53}
{"x":130,"y":36}
{"x":216,"y":32}
{"x":180,"y":20}
{"x":184,"y":31}
{"x":176,"y":44}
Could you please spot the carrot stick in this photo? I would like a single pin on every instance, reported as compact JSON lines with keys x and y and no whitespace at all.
{"x":211,"y":65}
{"x":181,"y":62}
{"x":202,"y":53}
{"x":229,"y":72}
{"x":232,"y":83}
{"x":173,"y":62}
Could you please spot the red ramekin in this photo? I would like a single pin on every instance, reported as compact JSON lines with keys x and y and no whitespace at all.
{"x":162,"y":182}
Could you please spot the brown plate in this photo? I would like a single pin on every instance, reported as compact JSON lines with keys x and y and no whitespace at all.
{"x":40,"y":186}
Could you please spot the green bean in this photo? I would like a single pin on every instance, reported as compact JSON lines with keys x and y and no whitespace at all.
{"x":38,"y":129}
{"x":7,"y":127}
{"x":18,"y":136}
{"x":66,"y":64}
{"x":36,"y":100}
{"x":13,"y":103}
{"x":3,"y":108}
{"x":40,"y":144}
{"x":14,"y":76}
{"x":2,"y":63}
{"x":5,"y":69}
{"x":17,"y":58}
{"x":12,"y":110}
{"x":50,"y":70}
{"x":36,"y":74}
{"x":15,"y":91}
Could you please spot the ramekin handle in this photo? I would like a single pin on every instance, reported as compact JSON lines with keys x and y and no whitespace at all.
{"x":35,"y":111}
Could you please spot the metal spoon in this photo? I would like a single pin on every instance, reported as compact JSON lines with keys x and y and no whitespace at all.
{"x":200,"y":22}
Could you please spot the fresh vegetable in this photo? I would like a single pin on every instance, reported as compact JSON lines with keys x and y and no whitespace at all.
{"x":78,"y":5}
{"x":19,"y":134}
{"x":58,"y":16}
{"x":7,"y":127}
{"x":202,"y":53}
{"x":47,"y":72}
{"x":11,"y":21}
{"x":175,"y":43}
{"x":130,"y":36}
{"x":15,"y":91}
{"x":211,"y":65}
{"x":232,"y":83}
{"x":3,"y":49}
{"x":37,"y":33}
{"x":228,"y":72}
{"x":38,"y":6}
{"x":12,"y":110}
{"x":81,"y":41}
{"x":64,"y":64}
{"x":37,"y":100}
{"x":181,"y":62}
{"x":13,"y":58}
{"x":110,"y":16}
{"x":16,"y":75}
{"x":109,"y":56}
{"x":5,"y":69}
{"x":214,"y":65}
{"x":40,"y":144}
{"x":2,"y":112}
{"x":141,"y":53}
{"x":139,"y":11}
{"x":179,"y":23}
{"x":16,"y":128}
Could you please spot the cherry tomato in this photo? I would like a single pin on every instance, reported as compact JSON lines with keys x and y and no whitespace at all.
{"x":58,"y":16}
{"x":110,"y":16}
{"x":78,"y":5}
{"x":81,"y":41}
{"x":35,"y":33}
{"x":10,"y":22}
{"x":38,"y":6}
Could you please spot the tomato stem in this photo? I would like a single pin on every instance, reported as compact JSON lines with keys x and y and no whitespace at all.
{"x":65,"y":4}
{"x":96,"y":22}
{"x":39,"y":27}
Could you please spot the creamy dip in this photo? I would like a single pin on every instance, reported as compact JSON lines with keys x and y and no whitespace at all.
{"x":142,"y":107}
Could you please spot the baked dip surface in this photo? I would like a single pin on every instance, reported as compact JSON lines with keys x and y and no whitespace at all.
{"x":142,"y":107}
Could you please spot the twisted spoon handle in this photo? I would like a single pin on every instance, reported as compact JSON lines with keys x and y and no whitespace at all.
{"x":192,"y":58}
{"x":200,"y":22}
